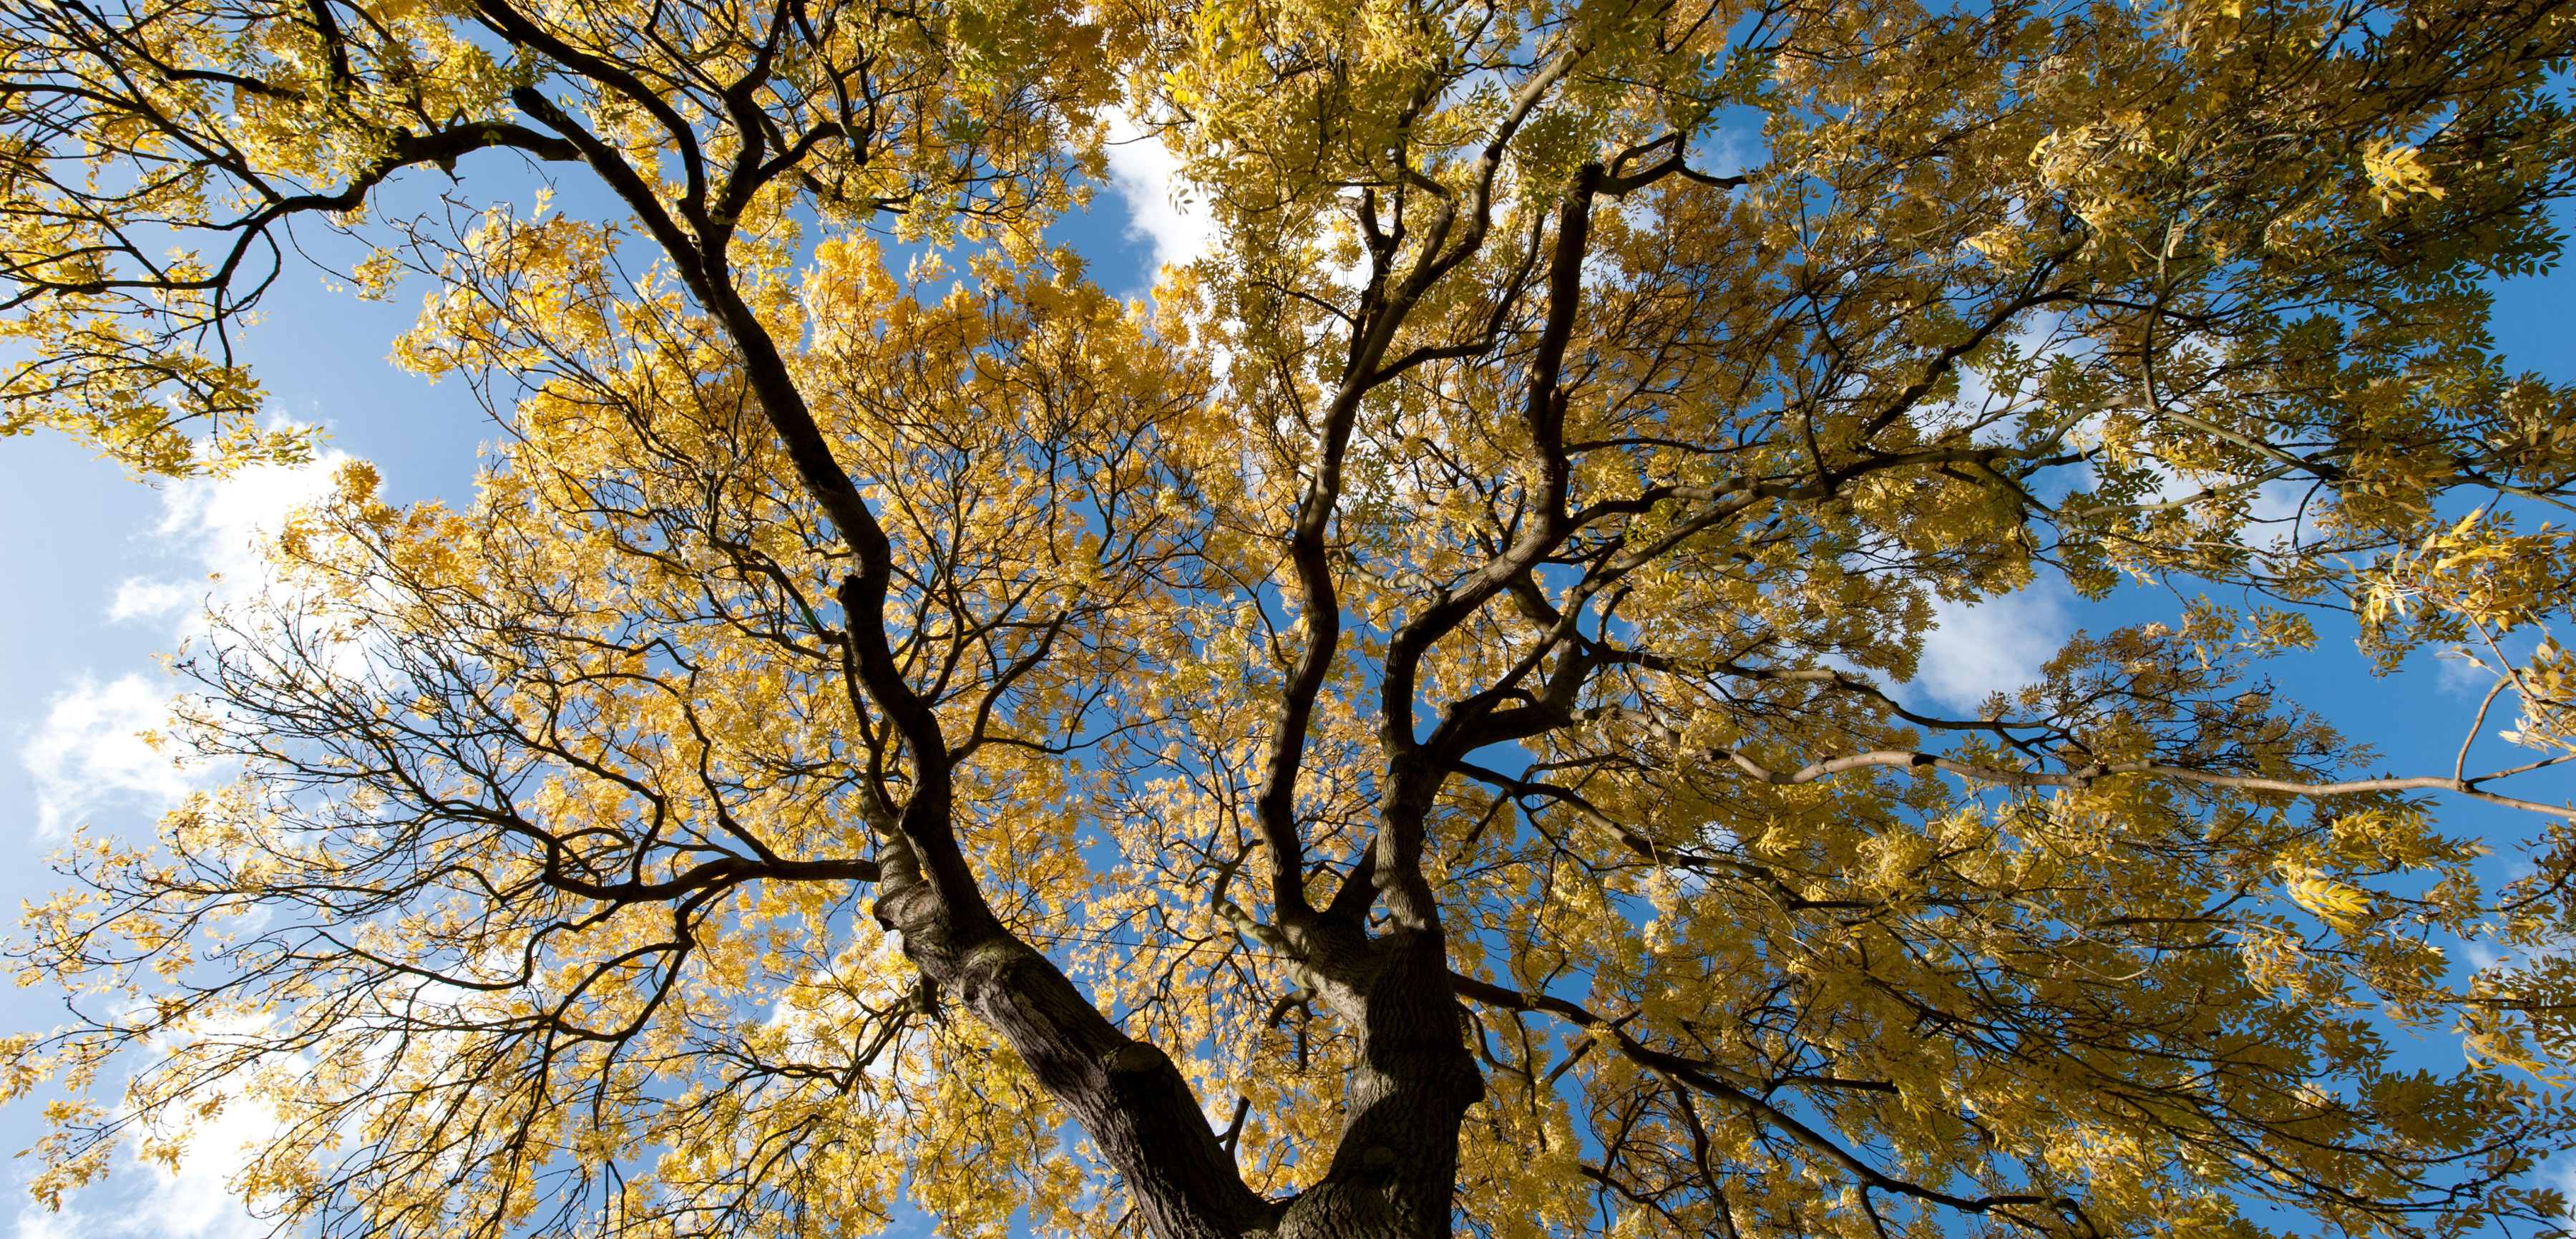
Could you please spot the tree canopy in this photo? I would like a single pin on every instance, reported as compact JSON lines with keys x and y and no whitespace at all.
{"x":1401,"y":731}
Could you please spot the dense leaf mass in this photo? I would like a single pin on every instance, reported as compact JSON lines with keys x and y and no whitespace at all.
{"x":1397,"y":732}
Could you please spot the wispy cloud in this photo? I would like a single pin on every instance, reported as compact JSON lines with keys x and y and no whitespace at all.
{"x":215,"y":526}
{"x":1997,"y":645}
{"x":194,"y":1200}
{"x":145,"y":1199}
{"x":142,"y":598}
{"x":91,"y":752}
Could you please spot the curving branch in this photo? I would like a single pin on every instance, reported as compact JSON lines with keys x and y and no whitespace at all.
{"x":1711,"y":1079}
{"x":2087,"y":776}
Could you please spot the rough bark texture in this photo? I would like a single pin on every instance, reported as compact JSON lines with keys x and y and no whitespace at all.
{"x":1128,"y":1095}
{"x":1394,"y":1171}
{"x":1396,"y":1168}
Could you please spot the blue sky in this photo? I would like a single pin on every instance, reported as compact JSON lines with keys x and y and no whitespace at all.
{"x":109,"y":574}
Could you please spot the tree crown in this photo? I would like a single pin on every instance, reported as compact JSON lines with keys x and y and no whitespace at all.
{"x":1401,"y":728}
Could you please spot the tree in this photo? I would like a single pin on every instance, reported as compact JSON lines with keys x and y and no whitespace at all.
{"x":1397,"y":734}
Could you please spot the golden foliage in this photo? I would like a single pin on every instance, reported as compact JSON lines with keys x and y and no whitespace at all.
{"x":1497,"y":553}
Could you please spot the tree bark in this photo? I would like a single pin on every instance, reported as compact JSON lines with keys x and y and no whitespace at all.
{"x":1127,"y":1094}
{"x":1394,"y":1171}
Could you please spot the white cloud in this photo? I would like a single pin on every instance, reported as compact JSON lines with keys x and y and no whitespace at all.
{"x":2462,"y":676}
{"x":220,"y":522}
{"x":146,"y":599}
{"x":90,"y":752}
{"x":148,"y":1200}
{"x":2560,"y":1173}
{"x":1998,"y":645}
{"x":2471,"y":671}
{"x":1147,"y":175}
{"x":2278,"y":500}
{"x":2041,"y":336}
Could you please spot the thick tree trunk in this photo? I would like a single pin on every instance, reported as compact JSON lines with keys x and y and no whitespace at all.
{"x":1393,"y":1173}
{"x":1128,"y":1095}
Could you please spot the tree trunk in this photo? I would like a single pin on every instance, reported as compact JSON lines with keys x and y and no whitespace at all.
{"x":1394,"y":1170}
